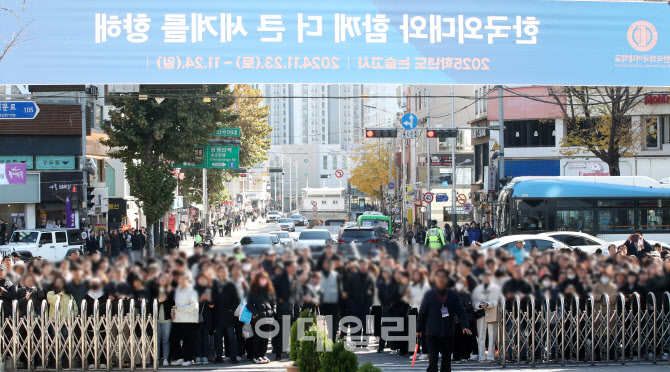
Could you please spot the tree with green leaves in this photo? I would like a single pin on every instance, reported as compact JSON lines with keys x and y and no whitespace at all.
{"x":149,"y":135}
{"x":251,"y":118}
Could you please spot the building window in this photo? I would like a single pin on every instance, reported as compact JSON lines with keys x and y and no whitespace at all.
{"x":530,"y":133}
{"x":652,"y":133}
{"x":325,"y":163}
{"x":323,"y":202}
{"x":344,"y":160}
{"x":334,"y":162}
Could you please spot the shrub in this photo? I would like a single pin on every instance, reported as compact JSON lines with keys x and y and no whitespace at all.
{"x":369,"y":367}
{"x":294,"y":342}
{"x":339,"y":360}
{"x":309,"y":353}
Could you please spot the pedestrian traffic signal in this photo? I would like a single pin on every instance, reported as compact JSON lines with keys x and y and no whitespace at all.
{"x":381,"y":133}
{"x":90,"y":197}
{"x":442,"y":133}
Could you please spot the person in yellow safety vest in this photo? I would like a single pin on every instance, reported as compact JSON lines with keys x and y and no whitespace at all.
{"x":199,"y":237}
{"x":435,"y":237}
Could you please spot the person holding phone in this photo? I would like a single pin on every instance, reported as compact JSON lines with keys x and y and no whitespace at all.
{"x":636,"y":245}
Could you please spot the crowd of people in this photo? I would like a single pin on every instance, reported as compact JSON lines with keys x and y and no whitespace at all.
{"x":199,"y":295}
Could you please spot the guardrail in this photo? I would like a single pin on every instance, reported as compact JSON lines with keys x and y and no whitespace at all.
{"x":610,"y":329}
{"x":121,"y":338}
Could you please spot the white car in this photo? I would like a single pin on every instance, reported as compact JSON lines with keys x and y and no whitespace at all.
{"x":286,"y":224}
{"x":585,"y":242}
{"x":315,"y":239}
{"x":273,"y":216}
{"x":284,"y":237}
{"x":51,"y":244}
{"x":531,"y":241}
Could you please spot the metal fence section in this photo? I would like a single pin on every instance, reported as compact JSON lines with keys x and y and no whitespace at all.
{"x":121,"y":338}
{"x":605,"y":329}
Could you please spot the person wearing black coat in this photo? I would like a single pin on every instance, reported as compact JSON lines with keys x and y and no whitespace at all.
{"x":261,"y":302}
{"x":204,"y":289}
{"x":96,"y":292}
{"x":7,"y":291}
{"x":116,"y":243}
{"x":226,"y":300}
{"x":117,"y":290}
{"x":289,"y":294}
{"x":439,"y":308}
{"x":360,"y":292}
{"x":637,"y":246}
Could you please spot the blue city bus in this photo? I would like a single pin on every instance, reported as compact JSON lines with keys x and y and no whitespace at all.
{"x":608,"y":207}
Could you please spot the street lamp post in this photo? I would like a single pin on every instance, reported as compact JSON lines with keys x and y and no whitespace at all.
{"x":453,"y":187}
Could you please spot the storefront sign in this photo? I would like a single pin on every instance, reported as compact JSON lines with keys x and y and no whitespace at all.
{"x":93,"y":145}
{"x":62,"y":162}
{"x":117,"y":212}
{"x":344,"y":41}
{"x":437,"y":160}
{"x":12,"y":174}
{"x":479,"y":132}
{"x":653,"y":99}
{"x":19,"y":159}
{"x":56,"y":186}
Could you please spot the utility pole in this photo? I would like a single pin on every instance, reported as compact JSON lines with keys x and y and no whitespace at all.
{"x":205,"y":198}
{"x":428,"y":209}
{"x":403,"y":188}
{"x":83,"y":219}
{"x":454,"y":220}
{"x":501,"y":124}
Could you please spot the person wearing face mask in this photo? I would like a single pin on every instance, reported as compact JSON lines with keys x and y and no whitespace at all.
{"x":485,"y":296}
{"x":572,"y":280}
{"x":463,"y":343}
{"x":261,"y":303}
{"x":604,"y":286}
{"x":439,"y":308}
{"x":185,"y":316}
{"x":93,"y":294}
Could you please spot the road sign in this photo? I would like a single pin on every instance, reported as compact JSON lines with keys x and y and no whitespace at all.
{"x":496,"y":146}
{"x":314,"y":214}
{"x":461,"y":198}
{"x":410,"y":134}
{"x":428,"y":197}
{"x":314,"y":204}
{"x":339,"y":173}
{"x":223,"y":157}
{"x":228,"y":132}
{"x":467,"y":207}
{"x":315,"y":209}
{"x":391,"y":185}
{"x":440,"y":198}
{"x":18,"y":110}
{"x":84,"y":235}
{"x":409,"y":121}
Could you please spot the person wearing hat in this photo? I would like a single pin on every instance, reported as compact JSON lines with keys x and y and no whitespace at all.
{"x":518,"y":252}
{"x":435,"y":237}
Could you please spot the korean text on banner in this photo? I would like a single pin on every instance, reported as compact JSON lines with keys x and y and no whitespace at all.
{"x":12,"y":174}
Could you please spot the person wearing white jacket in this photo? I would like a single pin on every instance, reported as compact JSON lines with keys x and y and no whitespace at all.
{"x":486,"y":296}
{"x":185,"y":316}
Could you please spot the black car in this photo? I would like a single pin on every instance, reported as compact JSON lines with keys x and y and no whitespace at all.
{"x":357,"y":242}
{"x":299,"y":220}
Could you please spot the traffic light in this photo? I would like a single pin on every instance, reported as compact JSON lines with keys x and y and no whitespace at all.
{"x":442,"y":133}
{"x":276,"y":170}
{"x":325,"y":176}
{"x":381,"y":133}
{"x":90,"y":197}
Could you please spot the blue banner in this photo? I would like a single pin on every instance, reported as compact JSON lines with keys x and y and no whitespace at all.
{"x":344,"y":41}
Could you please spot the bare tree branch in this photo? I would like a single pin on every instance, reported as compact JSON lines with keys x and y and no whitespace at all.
{"x":17,"y":38}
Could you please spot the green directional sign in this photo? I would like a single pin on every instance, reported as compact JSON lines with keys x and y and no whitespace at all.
{"x":228,"y":132}
{"x":215,"y":157}
{"x":223,"y":157}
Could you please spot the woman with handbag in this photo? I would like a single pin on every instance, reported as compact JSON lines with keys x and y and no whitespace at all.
{"x":185,"y":316}
{"x":262,"y":304}
{"x":485,"y":297}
